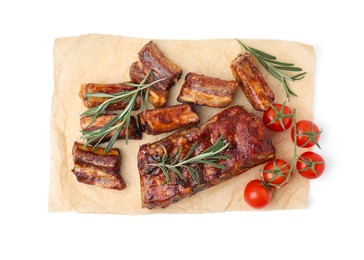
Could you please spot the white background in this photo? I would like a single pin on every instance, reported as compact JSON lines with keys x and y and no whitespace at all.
{"x":332,"y":226}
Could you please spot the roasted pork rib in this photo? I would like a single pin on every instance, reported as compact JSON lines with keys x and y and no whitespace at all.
{"x":96,"y":168}
{"x":152,"y":59}
{"x":102,"y":120}
{"x":249,"y":146}
{"x":252,"y":82}
{"x":167,"y":119}
{"x":91,"y":88}
{"x":207,"y":91}
{"x":157,"y":94}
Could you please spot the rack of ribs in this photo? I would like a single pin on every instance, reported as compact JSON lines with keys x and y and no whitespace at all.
{"x":249,"y":146}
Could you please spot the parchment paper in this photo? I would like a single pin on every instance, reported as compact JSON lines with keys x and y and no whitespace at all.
{"x":106,"y":59}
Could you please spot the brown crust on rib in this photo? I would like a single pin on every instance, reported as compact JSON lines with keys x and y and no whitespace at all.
{"x":91,"y":88}
{"x":252,"y":82}
{"x":167,"y":119}
{"x":157,"y":95}
{"x":152,"y":59}
{"x":136,"y":72}
{"x":102,"y":120}
{"x":207,"y":91}
{"x":96,"y":168}
{"x":250,"y":145}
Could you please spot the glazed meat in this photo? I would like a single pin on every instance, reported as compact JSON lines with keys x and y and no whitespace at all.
{"x":207,"y":91}
{"x":102,"y":120}
{"x":157,"y":95}
{"x":167,"y":119}
{"x":252,"y":82}
{"x":96,"y":168}
{"x":91,"y":88}
{"x":249,"y":146}
{"x":152,"y":59}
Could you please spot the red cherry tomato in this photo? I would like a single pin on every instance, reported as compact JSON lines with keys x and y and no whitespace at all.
{"x":256,"y":194}
{"x":275,"y":173}
{"x":278,"y":117}
{"x":308,"y":134}
{"x":310,"y":165}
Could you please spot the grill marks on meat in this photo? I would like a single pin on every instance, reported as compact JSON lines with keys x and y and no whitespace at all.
{"x":167,"y":119}
{"x":102,"y":120}
{"x":250,"y":145}
{"x":252,"y":82}
{"x":207,"y":91}
{"x":152,"y":59}
{"x":96,"y":168}
{"x":91,"y":88}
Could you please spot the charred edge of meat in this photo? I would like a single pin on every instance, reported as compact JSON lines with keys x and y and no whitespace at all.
{"x":91,"y":88}
{"x":153,"y":59}
{"x":253,"y":84}
{"x":93,"y":167}
{"x":207,"y":91}
{"x":163,"y":120}
{"x":102,"y":120}
{"x":157,"y":95}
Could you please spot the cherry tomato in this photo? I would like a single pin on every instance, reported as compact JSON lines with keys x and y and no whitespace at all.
{"x":275,"y":173}
{"x":310,"y":165}
{"x":278,"y":117}
{"x":308,"y":134}
{"x":256,"y":194}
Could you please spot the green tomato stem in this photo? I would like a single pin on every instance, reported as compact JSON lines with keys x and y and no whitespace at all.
{"x":295,"y":156}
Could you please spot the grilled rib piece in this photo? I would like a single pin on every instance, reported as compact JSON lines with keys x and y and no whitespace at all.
{"x":96,"y":168}
{"x":207,"y":91}
{"x":252,"y":82}
{"x":157,"y":95}
{"x":167,"y":119}
{"x":250,"y":145}
{"x":90,"y":88}
{"x":152,"y":59}
{"x":102,"y":120}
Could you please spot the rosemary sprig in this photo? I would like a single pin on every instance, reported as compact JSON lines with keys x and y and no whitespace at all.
{"x":176,"y":163}
{"x":275,"y":67}
{"x":123,"y":119}
{"x":125,"y":97}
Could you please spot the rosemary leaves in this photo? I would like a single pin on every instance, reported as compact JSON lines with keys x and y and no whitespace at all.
{"x":122,"y":119}
{"x":275,"y":67}
{"x":176,"y":163}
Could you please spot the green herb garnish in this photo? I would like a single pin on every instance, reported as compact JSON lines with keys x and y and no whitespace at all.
{"x":176,"y":163}
{"x":275,"y":68}
{"x":123,"y":119}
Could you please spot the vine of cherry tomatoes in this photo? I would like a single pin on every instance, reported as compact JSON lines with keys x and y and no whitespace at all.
{"x":276,"y":173}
